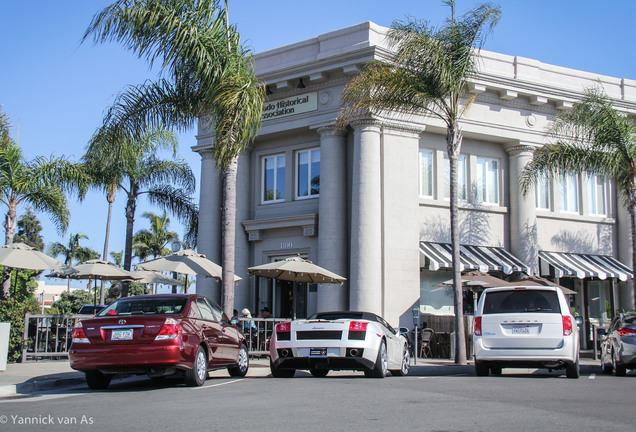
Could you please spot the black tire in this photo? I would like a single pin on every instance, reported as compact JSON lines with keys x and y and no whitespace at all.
{"x":243,"y":364}
{"x":481,"y":368}
{"x":380,"y":367}
{"x":278,"y":372}
{"x":607,"y":368}
{"x":406,"y":364}
{"x":573,"y":370}
{"x":196,"y":376}
{"x":619,"y":369}
{"x":319,"y":373}
{"x":496,"y":370}
{"x":97,"y":380}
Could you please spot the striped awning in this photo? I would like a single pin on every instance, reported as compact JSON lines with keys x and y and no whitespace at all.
{"x":482,"y":258}
{"x":560,"y":264}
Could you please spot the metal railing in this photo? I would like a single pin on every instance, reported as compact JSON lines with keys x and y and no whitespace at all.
{"x":258,"y":332}
{"x":50,"y":336}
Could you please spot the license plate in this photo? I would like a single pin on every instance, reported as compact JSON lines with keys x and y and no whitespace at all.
{"x":521,"y":330}
{"x":318,"y":352}
{"x":122,"y":334}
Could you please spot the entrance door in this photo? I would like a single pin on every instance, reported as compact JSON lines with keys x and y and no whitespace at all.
{"x":286,"y":298}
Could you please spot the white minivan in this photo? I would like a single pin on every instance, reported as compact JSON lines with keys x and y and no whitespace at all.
{"x":525,"y":327}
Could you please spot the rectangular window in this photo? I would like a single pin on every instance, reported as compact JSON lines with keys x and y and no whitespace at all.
{"x":426,"y":173}
{"x":596,"y":194}
{"x":543,"y":193}
{"x":488,"y":180}
{"x":308,"y":173}
{"x":273,"y":178}
{"x":569,"y":190}
{"x":462,"y":177}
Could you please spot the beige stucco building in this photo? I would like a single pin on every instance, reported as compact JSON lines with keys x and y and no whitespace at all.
{"x":370,"y":202}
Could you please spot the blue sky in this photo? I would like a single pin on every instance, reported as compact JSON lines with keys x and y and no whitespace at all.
{"x":56,"y":91}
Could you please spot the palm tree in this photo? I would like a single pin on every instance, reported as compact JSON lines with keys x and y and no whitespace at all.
{"x":152,"y":242}
{"x":41,"y":183}
{"x":428,"y":75}
{"x":139,"y":171}
{"x":209,"y":74}
{"x":592,"y":137}
{"x":70,"y":251}
{"x":118,"y":258}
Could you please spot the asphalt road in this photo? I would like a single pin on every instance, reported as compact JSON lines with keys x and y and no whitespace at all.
{"x":440,"y":399}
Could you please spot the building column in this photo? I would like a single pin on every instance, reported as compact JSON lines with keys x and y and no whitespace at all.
{"x":332,"y":220}
{"x":209,"y":235}
{"x":400,"y":223}
{"x":523,"y":209}
{"x":366,"y":218}
{"x":623,"y":251}
{"x":242,"y":289}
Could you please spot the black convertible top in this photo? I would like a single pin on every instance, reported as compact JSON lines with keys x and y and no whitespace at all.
{"x":335,"y":315}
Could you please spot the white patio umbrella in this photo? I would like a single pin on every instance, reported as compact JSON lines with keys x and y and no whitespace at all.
{"x":96,"y":269}
{"x":187,"y":262}
{"x":22,"y":256}
{"x":155,"y":278}
{"x":296,"y":269}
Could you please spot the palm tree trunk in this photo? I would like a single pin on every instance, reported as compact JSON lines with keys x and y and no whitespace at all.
{"x":110,"y":197}
{"x":229,"y":233}
{"x":131,"y":206}
{"x":9,"y":227}
{"x":453,"y":142}
{"x":632,"y":214}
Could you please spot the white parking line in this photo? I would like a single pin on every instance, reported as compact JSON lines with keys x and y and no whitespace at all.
{"x":592,"y":376}
{"x":217,"y":385}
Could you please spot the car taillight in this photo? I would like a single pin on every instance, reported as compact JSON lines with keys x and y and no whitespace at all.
{"x":79,"y":336}
{"x":171,"y":330}
{"x":478,"y":326}
{"x":626,"y":332}
{"x":567,"y":325}
{"x":358,"y":326}
{"x":284,"y":327}
{"x":358,"y":330}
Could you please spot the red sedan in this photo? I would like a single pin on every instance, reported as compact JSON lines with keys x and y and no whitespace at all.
{"x":158,"y":335}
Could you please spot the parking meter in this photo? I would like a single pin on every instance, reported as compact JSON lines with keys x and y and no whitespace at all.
{"x":416,"y":316}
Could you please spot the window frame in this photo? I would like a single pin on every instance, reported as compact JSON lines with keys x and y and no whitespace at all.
{"x":544,"y":183}
{"x":431,"y":172}
{"x":592,"y":196}
{"x":465,"y":159}
{"x":564,"y":188}
{"x":482,"y":185}
{"x":297,"y":176}
{"x":264,"y":159}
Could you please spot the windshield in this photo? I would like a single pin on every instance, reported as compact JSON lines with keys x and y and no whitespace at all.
{"x":521,"y":301}
{"x":145,"y":306}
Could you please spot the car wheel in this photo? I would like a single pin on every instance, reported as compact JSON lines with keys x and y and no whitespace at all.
{"x":573,"y":370}
{"x":481,"y":368}
{"x":242,"y":365}
{"x":496,"y":370}
{"x":619,"y":370}
{"x":406,"y":364}
{"x":319,"y":373}
{"x":196,"y":376}
{"x":607,"y":368}
{"x":381,"y":363}
{"x":97,"y":380}
{"x":278,"y":372}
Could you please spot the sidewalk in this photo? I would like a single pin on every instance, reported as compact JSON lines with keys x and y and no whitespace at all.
{"x":36,"y":376}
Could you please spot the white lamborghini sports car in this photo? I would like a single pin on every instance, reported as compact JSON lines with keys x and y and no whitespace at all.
{"x":359,"y":341}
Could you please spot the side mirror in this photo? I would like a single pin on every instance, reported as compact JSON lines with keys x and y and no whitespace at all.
{"x":579,"y":320}
{"x":404,"y":330}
